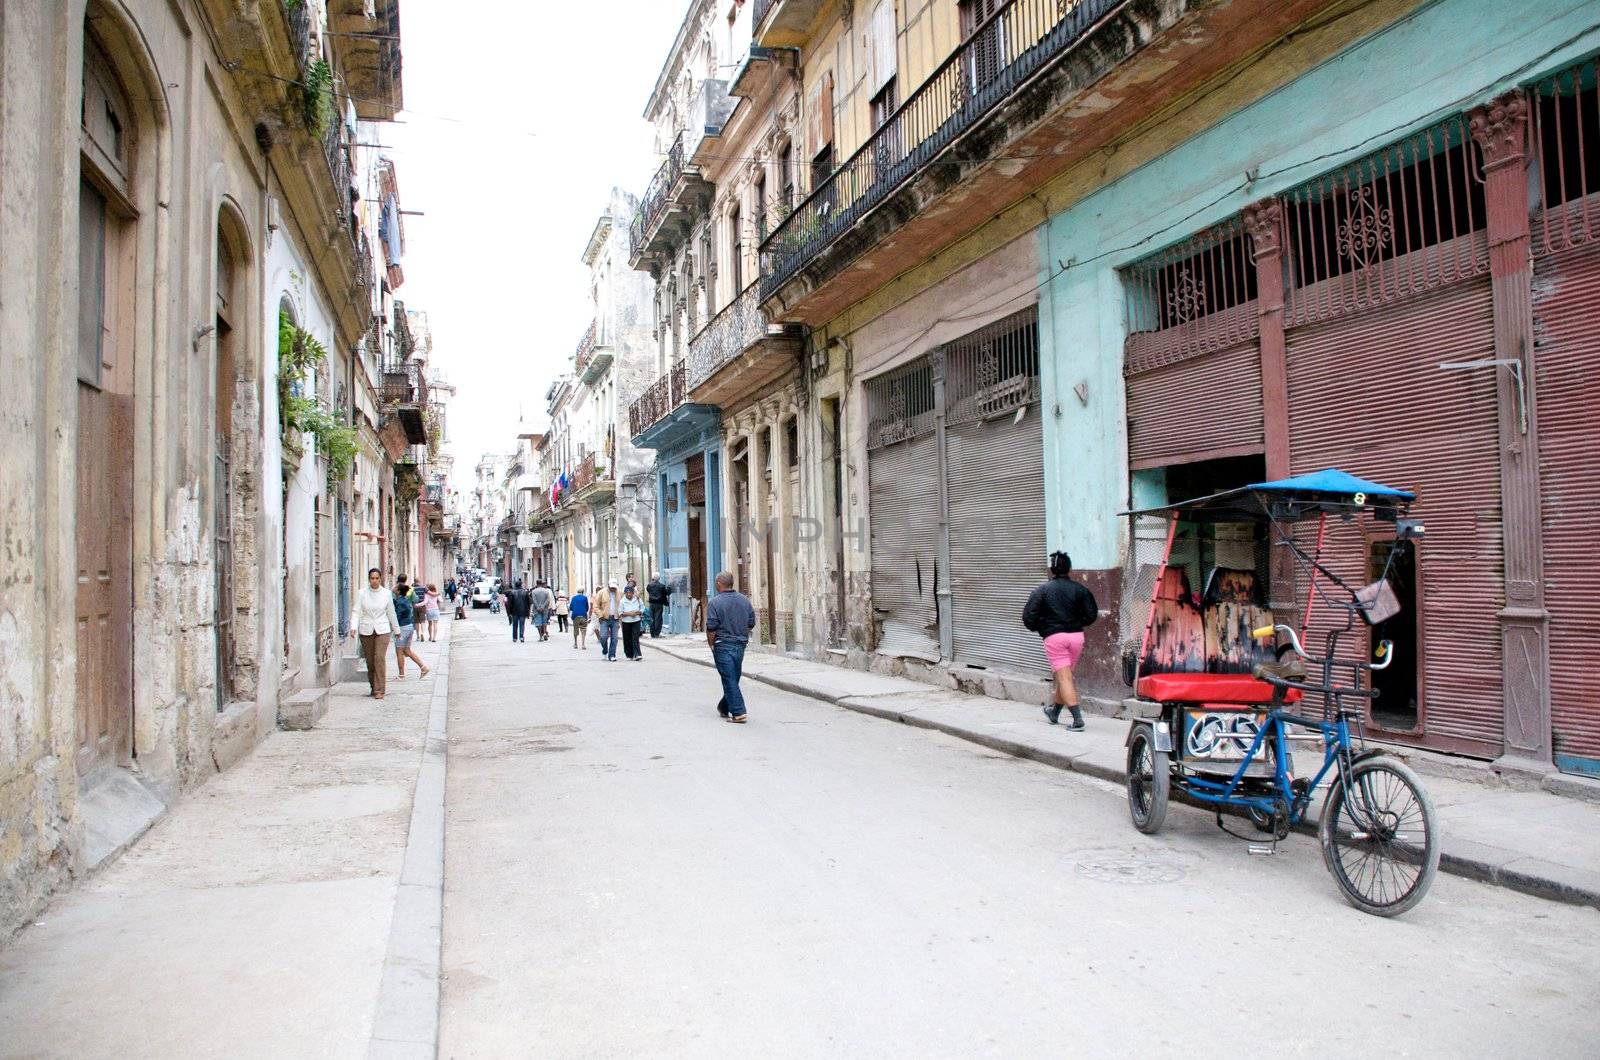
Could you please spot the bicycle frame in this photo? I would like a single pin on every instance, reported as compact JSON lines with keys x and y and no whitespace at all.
{"x":1335,"y":750}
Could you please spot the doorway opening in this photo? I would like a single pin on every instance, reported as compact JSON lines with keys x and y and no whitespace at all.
{"x":1396,"y":707}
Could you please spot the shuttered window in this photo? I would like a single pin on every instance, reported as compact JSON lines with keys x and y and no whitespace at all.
{"x":883,"y":61}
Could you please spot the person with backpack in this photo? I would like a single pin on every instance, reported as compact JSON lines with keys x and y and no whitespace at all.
{"x":1059,"y":611}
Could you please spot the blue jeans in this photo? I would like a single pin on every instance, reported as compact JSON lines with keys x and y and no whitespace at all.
{"x":729,"y":660}
{"x":518,"y":624}
{"x":608,"y":637}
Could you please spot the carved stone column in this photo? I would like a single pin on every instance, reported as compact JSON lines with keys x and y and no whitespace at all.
{"x":1263,"y":222}
{"x":1500,"y":129}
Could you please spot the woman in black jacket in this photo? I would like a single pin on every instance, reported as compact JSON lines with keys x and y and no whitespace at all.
{"x":1059,"y":611}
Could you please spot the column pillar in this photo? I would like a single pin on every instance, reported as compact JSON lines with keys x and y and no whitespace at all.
{"x":1263,"y":222}
{"x":1500,"y":129}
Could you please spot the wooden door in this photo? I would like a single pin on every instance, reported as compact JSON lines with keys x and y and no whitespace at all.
{"x":103,"y":606}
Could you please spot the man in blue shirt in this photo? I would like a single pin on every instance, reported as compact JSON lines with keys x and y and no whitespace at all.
{"x":729,"y":620}
{"x":578,"y":607}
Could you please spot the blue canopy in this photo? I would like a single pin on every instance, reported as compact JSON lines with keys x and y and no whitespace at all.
{"x":1332,"y":480}
{"x":1291,"y":499}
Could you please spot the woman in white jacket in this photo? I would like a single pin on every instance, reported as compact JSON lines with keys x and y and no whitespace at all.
{"x":375,"y":621}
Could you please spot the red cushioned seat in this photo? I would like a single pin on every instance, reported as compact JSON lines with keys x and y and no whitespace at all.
{"x":1209,"y":688}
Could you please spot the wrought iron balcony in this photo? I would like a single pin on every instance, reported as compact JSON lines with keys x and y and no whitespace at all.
{"x":736,"y":353}
{"x":592,"y":357}
{"x":783,"y":23}
{"x":1018,"y":41}
{"x":664,"y":395}
{"x":669,"y":204}
{"x":404,"y":394}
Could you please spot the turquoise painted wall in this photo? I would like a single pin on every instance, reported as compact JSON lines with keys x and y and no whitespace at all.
{"x":1442,"y":59}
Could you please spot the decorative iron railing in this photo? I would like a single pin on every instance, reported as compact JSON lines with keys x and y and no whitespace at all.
{"x":739,"y":325}
{"x":403,"y":384}
{"x":585,"y":352}
{"x":299,"y":16}
{"x":1013,"y":45}
{"x":759,"y":12}
{"x":664,"y":395}
{"x":657,"y":196}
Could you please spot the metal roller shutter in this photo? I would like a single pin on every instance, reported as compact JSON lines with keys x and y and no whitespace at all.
{"x":1366,"y":394}
{"x":997,"y":539}
{"x":1567,"y":361}
{"x":905,"y":545}
{"x":1199,"y":408}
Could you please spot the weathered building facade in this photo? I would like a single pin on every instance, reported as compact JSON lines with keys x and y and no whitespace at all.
{"x":1053,"y":258}
{"x":191,"y":279}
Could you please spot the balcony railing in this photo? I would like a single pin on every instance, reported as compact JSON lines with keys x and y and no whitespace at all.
{"x":403,"y":384}
{"x":1013,"y":45}
{"x":740,"y":325}
{"x":664,"y":395}
{"x":759,"y":12}
{"x":585,"y":352}
{"x":657,"y":197}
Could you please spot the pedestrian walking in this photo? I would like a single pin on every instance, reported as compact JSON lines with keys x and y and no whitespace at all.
{"x":1059,"y":611}
{"x":563,"y":609}
{"x":375,"y":622}
{"x":630,"y":612}
{"x":450,"y":590}
{"x":658,"y":595}
{"x":430,"y":612}
{"x":544,"y":601}
{"x":579,"y":608}
{"x":405,"y":610}
{"x":605,"y":605}
{"x":729,"y":620}
{"x":518,"y":604}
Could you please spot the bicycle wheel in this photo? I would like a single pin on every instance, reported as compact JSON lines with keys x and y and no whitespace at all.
{"x":1380,"y":837}
{"x":1149,"y":781}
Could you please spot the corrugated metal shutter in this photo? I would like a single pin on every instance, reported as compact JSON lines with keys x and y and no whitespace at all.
{"x":1366,"y":394}
{"x":1566,"y":311}
{"x":905,"y":545}
{"x":997,"y":540}
{"x":1202,"y":407}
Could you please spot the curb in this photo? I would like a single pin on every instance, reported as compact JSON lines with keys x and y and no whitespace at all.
{"x":1496,"y":872}
{"x":406,"y":1021}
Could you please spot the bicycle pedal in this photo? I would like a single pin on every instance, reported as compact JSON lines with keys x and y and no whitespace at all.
{"x":1262,"y":850}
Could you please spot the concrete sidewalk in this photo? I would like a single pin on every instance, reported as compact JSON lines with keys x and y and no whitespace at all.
{"x":260,"y":917}
{"x":1530,"y":841}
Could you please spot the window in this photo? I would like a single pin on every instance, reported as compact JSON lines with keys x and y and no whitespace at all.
{"x":786,"y":176}
{"x":761,"y":207}
{"x":886,"y":148}
{"x":91,"y":283}
{"x":986,"y":32}
{"x":821,"y":170}
{"x":736,"y":250}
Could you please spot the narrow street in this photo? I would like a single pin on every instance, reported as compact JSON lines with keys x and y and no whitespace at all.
{"x":626,"y":874}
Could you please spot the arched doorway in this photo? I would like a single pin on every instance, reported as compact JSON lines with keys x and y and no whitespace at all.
{"x":107,"y":225}
{"x":233,"y":502}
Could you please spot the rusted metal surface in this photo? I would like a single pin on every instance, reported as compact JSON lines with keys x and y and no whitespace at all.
{"x":1567,"y":362}
{"x":1018,"y":41}
{"x":1201,"y":408}
{"x":1365,"y":392}
{"x":585,"y":351}
{"x":1404,"y":220}
{"x":1565,"y":140}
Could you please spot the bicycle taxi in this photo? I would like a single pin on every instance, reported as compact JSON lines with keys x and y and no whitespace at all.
{"x":1229,"y":689}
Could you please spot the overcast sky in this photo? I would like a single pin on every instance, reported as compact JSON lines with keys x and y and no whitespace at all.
{"x":519,"y":117}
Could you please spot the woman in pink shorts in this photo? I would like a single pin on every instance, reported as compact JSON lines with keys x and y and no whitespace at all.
{"x":1059,"y":611}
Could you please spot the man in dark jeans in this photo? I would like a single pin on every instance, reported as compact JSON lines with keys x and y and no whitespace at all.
{"x":657,"y":594}
{"x":518,"y":603}
{"x":729,"y":620}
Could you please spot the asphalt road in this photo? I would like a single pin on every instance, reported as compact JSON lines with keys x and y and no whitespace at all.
{"x":626,"y":874}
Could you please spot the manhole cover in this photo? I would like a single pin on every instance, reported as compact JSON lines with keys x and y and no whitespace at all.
{"x":1131,"y":866}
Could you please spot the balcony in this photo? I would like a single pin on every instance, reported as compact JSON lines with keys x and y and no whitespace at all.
{"x":784,"y":23}
{"x":594,"y":480}
{"x":676,"y":195}
{"x":403,"y":391}
{"x":736,"y":353}
{"x":663,"y":417}
{"x":708,"y":113}
{"x":593,"y":357}
{"x":1035,"y":90}
{"x":370,"y":48}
